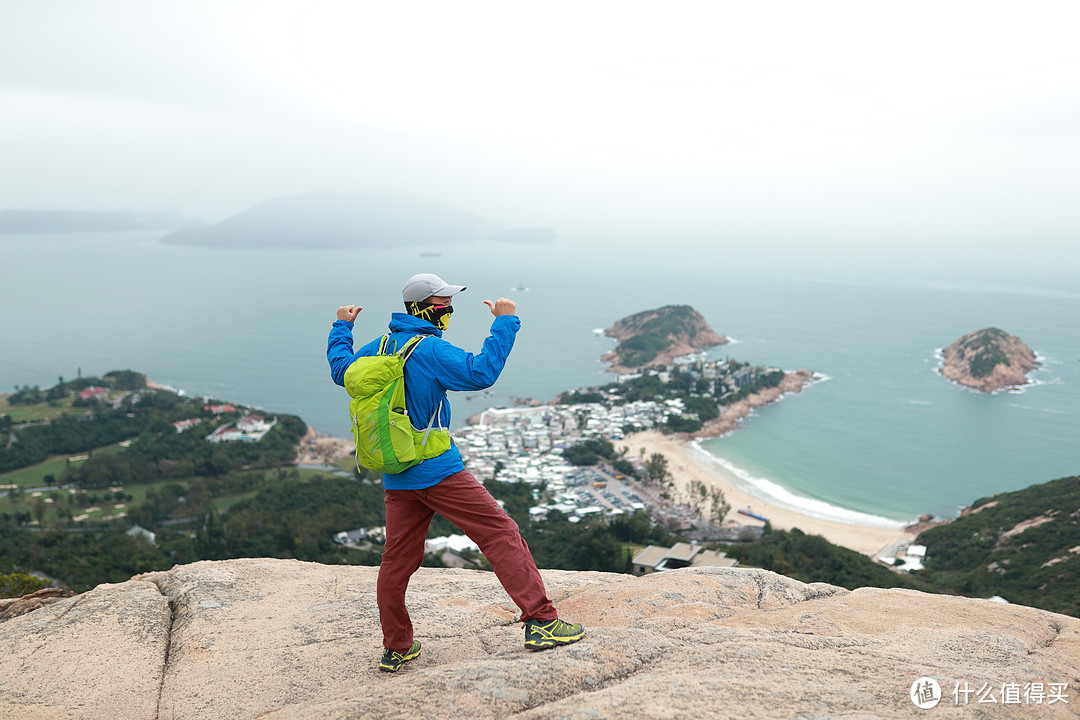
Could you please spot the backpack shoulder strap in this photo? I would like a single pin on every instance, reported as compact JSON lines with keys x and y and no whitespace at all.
{"x":409,"y":346}
{"x":406,"y":349}
{"x":382,"y":344}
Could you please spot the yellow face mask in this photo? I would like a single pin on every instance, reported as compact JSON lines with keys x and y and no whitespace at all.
{"x":437,"y":315}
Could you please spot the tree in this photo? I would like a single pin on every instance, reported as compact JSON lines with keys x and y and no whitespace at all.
{"x":18,"y":584}
{"x":39,"y":510}
{"x":719,"y":505}
{"x":698,"y":494}
{"x":26,"y":395}
{"x":624,"y":466}
{"x":656,"y":467}
{"x":56,"y":392}
{"x":589,"y":452}
{"x":683,"y":424}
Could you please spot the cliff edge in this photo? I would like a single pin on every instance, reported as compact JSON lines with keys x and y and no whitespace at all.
{"x":283,"y":639}
{"x":657,"y":337}
{"x":988,"y":360}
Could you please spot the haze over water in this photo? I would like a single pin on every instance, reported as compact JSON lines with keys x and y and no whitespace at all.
{"x":883,"y":435}
{"x":839,"y":186}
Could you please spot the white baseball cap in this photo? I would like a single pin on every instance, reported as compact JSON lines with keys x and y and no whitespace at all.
{"x":421,"y":287}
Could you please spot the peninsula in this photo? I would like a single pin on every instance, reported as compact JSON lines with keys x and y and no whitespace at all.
{"x":988,"y":360}
{"x":715,"y":396}
{"x":655,"y":338}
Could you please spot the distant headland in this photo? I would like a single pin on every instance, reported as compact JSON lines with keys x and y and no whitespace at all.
{"x":655,"y":338}
{"x":371,"y":219}
{"x":988,"y":360}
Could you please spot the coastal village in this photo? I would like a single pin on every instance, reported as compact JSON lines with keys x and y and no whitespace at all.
{"x":527,"y":445}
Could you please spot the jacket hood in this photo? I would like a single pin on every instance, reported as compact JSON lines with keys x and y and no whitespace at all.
{"x":403,"y":322}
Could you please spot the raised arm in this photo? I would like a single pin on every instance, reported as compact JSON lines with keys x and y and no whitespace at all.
{"x":339,"y":346}
{"x":457,"y":369}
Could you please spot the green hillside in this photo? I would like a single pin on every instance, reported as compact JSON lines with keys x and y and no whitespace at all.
{"x":1023,"y":546}
{"x":812,"y":558}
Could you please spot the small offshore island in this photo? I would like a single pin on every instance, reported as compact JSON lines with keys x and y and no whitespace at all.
{"x":988,"y":360}
{"x":656,"y":337}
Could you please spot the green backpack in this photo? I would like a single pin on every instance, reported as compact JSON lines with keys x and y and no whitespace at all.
{"x":385,"y":438}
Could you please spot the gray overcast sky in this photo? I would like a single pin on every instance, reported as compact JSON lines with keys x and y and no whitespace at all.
{"x":915,"y":122}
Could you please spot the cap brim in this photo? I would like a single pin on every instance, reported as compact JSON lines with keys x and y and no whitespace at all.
{"x":449,"y":290}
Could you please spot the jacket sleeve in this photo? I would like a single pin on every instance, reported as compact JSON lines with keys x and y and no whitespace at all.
{"x":339,"y":350}
{"x":460,"y":370}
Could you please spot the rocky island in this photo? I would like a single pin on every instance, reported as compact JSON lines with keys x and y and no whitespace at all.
{"x":656,"y":337}
{"x":988,"y":360}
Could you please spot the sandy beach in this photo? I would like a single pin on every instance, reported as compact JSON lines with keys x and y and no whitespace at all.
{"x":686,"y":465}
{"x":318,"y":449}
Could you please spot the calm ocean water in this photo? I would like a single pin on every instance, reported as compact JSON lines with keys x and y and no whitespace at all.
{"x":882,"y":438}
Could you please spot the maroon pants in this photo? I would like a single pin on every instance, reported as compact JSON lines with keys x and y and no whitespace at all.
{"x":462,"y":500}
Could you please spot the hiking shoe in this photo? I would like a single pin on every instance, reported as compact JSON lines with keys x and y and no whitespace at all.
{"x":543,"y":634}
{"x":392,"y":660}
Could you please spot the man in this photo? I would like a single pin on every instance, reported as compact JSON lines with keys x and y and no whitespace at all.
{"x":441,"y":484}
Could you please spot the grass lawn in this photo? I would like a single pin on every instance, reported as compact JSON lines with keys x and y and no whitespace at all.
{"x":33,"y":476}
{"x":226,"y":501}
{"x":348,"y":464}
{"x":308,"y":473}
{"x":49,"y":499}
{"x":40,"y":411}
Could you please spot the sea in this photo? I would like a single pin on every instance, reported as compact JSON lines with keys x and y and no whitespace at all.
{"x":880,"y":439}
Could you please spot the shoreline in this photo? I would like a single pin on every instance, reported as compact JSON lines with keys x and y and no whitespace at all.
{"x":688,"y":462}
{"x":731,"y":416}
{"x":686,"y":465}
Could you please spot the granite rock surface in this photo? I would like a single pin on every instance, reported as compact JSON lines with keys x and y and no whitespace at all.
{"x":288,"y":640}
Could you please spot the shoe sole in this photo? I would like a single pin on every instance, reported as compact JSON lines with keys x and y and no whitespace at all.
{"x":547,"y":644}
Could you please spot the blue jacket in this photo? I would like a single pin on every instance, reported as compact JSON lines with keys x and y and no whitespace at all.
{"x":434,"y":367}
